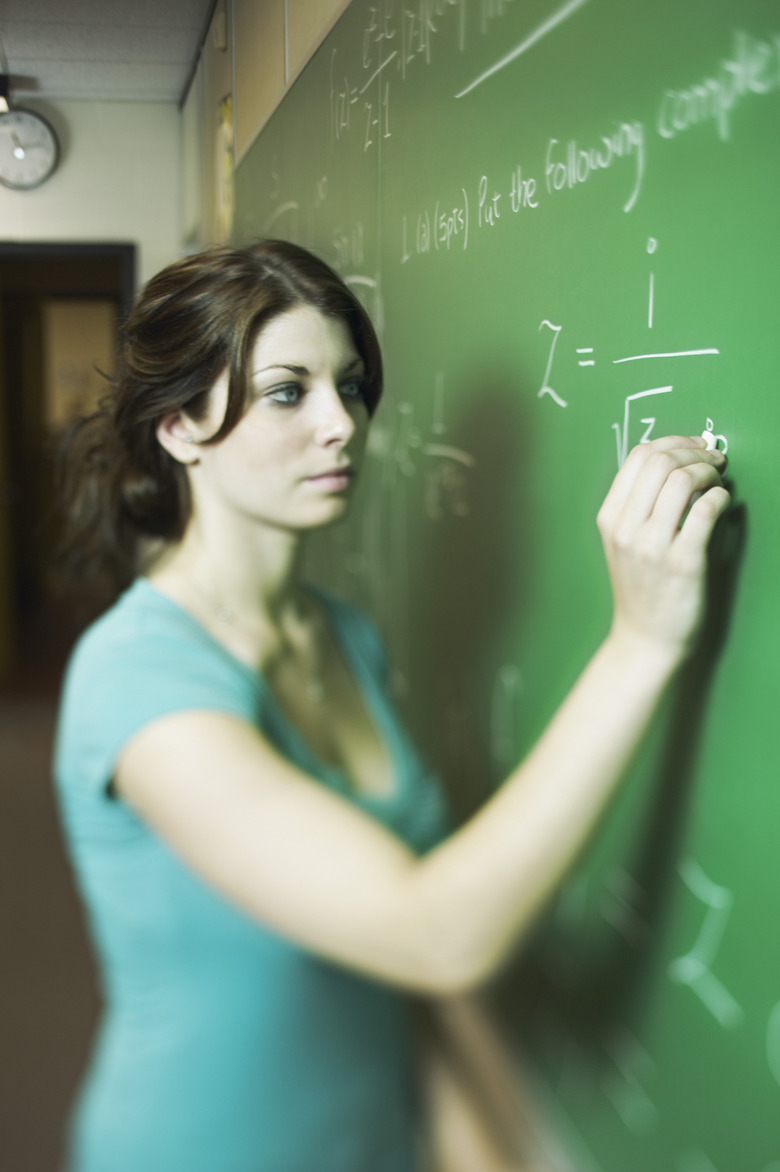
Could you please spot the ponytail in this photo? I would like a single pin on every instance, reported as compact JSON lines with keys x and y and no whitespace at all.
{"x":111,"y":503}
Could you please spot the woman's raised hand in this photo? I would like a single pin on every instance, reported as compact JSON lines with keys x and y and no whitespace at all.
{"x":655,"y":525}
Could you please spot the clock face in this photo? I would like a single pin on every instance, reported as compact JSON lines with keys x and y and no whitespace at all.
{"x":28,"y":149}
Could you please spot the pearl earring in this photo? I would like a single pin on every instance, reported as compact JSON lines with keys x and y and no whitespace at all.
{"x":189,"y":438}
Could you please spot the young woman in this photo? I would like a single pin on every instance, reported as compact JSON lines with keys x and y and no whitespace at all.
{"x":265,"y":861}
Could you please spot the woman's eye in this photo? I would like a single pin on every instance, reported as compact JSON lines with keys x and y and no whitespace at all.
{"x":287,"y":395}
{"x":353,"y":388}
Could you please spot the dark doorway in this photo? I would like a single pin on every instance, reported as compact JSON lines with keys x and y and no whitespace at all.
{"x":36,"y":279}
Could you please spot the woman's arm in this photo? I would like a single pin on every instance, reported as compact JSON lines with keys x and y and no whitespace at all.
{"x":315,"y":868}
{"x":479,"y":1115}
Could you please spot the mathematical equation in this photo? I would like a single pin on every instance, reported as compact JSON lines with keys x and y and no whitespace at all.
{"x":623,"y":428}
{"x":394,"y":38}
{"x":586,"y":359}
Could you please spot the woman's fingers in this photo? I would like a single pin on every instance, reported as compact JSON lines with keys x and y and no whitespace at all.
{"x":677,"y":495}
{"x":636,"y":464}
{"x":657,"y":471}
{"x":700,"y":522}
{"x":655,"y":524}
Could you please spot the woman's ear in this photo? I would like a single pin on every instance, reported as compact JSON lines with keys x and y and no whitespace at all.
{"x":174,"y":434}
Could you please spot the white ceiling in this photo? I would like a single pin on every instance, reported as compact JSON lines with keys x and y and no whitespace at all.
{"x":122,"y":50}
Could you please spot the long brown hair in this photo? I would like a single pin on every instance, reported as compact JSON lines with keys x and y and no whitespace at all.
{"x":120,"y":491}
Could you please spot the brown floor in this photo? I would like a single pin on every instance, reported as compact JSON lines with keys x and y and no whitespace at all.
{"x":48,"y":997}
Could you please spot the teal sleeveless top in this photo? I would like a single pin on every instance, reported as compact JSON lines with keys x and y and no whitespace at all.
{"x":223,"y":1047}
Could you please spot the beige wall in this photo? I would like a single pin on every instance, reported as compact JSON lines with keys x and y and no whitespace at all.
{"x":154,"y":175}
{"x":118,"y":179}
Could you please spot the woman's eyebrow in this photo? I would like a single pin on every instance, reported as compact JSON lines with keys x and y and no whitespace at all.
{"x":353,"y":365}
{"x":303,"y":370}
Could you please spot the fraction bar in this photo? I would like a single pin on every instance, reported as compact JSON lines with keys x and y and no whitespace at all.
{"x":668,"y":354}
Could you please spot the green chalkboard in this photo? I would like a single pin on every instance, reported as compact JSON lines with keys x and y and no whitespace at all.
{"x":565,"y":220}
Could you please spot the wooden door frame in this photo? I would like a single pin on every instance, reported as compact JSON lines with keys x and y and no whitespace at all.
{"x":123,"y":253}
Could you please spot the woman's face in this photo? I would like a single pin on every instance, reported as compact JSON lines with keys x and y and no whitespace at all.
{"x":292,"y":459}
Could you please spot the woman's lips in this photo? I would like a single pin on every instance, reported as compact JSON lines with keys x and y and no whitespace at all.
{"x":336,"y":480}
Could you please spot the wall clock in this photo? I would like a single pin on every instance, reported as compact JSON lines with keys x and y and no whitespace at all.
{"x":29,"y":149}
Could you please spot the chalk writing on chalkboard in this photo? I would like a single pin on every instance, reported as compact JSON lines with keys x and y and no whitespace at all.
{"x":285,"y":209}
{"x":372,"y":287}
{"x":694,"y":969}
{"x":445,"y":467}
{"x":320,"y":192}
{"x":545,"y":388}
{"x":522,"y":192}
{"x":350,"y":247}
{"x":753,"y":68}
{"x":488,"y":212}
{"x":446,"y":484}
{"x":528,"y":42}
{"x":572,"y":165}
{"x":622,"y":434}
{"x":378,"y":114}
{"x":445,"y":226}
{"x":446,"y":477}
{"x":652,"y":244}
{"x":666,"y":354}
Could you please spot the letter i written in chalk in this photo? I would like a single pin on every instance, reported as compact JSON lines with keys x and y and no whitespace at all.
{"x":652,"y":244}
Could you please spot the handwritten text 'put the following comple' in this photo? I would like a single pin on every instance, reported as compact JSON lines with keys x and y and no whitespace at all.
{"x":753,"y":68}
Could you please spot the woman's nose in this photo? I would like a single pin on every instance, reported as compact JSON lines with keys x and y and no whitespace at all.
{"x":335,"y":424}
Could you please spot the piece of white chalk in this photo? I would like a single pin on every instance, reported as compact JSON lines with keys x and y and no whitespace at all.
{"x":713,"y":441}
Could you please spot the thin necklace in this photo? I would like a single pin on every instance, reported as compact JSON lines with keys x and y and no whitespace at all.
{"x":314,"y":684}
